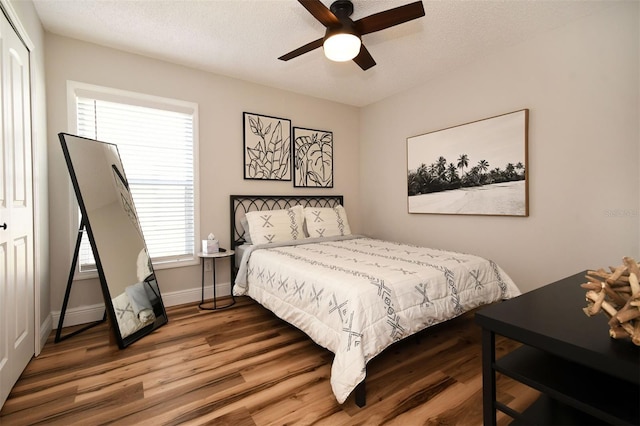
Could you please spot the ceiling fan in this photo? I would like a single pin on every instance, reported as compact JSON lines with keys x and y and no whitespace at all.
{"x":343,"y":37}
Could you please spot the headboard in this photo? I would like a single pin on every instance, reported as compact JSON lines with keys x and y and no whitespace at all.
{"x":241,"y":204}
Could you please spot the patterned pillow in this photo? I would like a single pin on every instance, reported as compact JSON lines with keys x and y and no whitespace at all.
{"x":276,"y":225}
{"x":326,"y":221}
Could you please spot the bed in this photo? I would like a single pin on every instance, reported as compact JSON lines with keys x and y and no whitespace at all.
{"x":351,"y":294}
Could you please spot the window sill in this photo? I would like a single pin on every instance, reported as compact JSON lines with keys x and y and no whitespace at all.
{"x":157,"y":266}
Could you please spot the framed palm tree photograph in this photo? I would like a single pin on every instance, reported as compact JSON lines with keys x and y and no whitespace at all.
{"x":312,"y":158}
{"x":267,"y":147}
{"x":478,"y":168}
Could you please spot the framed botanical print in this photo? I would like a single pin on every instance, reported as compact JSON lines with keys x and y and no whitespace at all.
{"x":312,"y":158}
{"x":267,"y":147}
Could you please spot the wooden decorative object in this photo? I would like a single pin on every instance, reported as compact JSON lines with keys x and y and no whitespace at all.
{"x":617,"y":294}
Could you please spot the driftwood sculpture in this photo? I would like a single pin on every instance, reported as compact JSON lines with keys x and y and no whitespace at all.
{"x":617,"y":294}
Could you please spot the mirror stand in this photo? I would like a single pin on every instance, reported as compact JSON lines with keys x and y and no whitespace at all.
{"x":74,"y":262}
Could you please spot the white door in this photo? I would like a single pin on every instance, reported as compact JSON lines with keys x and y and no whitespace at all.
{"x":16,"y":212}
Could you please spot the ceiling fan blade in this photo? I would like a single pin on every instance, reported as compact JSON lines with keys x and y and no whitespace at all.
{"x":320,"y":12}
{"x":364,"y":59}
{"x":389,"y":18}
{"x":302,"y":50}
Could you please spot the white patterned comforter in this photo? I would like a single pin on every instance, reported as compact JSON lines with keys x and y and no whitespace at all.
{"x":356,"y":296}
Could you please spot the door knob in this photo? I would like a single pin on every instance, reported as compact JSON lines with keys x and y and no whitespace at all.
{"x":4,"y":226}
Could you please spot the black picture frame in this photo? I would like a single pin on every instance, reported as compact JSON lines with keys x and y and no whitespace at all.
{"x":312,"y":158}
{"x":477,"y":168}
{"x":267,"y":147}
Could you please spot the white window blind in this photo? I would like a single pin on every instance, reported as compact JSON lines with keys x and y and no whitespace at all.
{"x":157,"y":151}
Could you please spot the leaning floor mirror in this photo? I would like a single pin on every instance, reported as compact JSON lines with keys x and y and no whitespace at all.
{"x":131,"y":293}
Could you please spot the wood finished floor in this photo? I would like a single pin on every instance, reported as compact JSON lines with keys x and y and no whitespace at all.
{"x":243,"y":366}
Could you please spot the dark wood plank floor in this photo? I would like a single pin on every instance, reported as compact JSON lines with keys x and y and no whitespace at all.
{"x":244,"y":366}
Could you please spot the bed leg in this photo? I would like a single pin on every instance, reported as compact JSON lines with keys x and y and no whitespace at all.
{"x":361,"y":395}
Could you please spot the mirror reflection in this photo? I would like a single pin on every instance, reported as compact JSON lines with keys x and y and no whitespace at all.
{"x":128,"y":281}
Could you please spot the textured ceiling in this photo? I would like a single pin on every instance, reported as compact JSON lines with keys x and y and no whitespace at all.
{"x":244,"y":38}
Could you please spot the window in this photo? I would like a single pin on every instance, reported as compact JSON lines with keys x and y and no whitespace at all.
{"x":157,"y":142}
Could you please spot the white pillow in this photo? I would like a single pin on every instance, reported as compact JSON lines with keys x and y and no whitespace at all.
{"x":326,"y":221}
{"x":276,"y":225}
{"x":245,"y":226}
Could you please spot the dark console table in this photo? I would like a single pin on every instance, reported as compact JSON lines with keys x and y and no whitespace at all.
{"x":585,"y":376}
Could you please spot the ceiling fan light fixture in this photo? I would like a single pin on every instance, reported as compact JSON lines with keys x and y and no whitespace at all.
{"x":342,"y":39}
{"x":341,"y":46}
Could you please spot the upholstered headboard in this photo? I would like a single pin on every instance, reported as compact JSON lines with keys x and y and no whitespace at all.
{"x":241,"y":204}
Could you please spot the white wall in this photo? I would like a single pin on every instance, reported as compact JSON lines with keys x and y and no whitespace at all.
{"x":581,"y":85}
{"x":221,"y":103}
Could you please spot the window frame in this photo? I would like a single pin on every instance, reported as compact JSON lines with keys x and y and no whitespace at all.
{"x":75,"y":89}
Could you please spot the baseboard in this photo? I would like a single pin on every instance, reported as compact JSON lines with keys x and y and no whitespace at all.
{"x":45,"y":330}
{"x":195,"y":294}
{"x":79,"y":315}
{"x":91,"y":313}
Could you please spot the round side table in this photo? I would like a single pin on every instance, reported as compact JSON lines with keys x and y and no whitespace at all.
{"x":215,"y":256}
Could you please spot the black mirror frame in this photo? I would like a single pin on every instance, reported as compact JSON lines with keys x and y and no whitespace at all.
{"x":159,"y":320}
